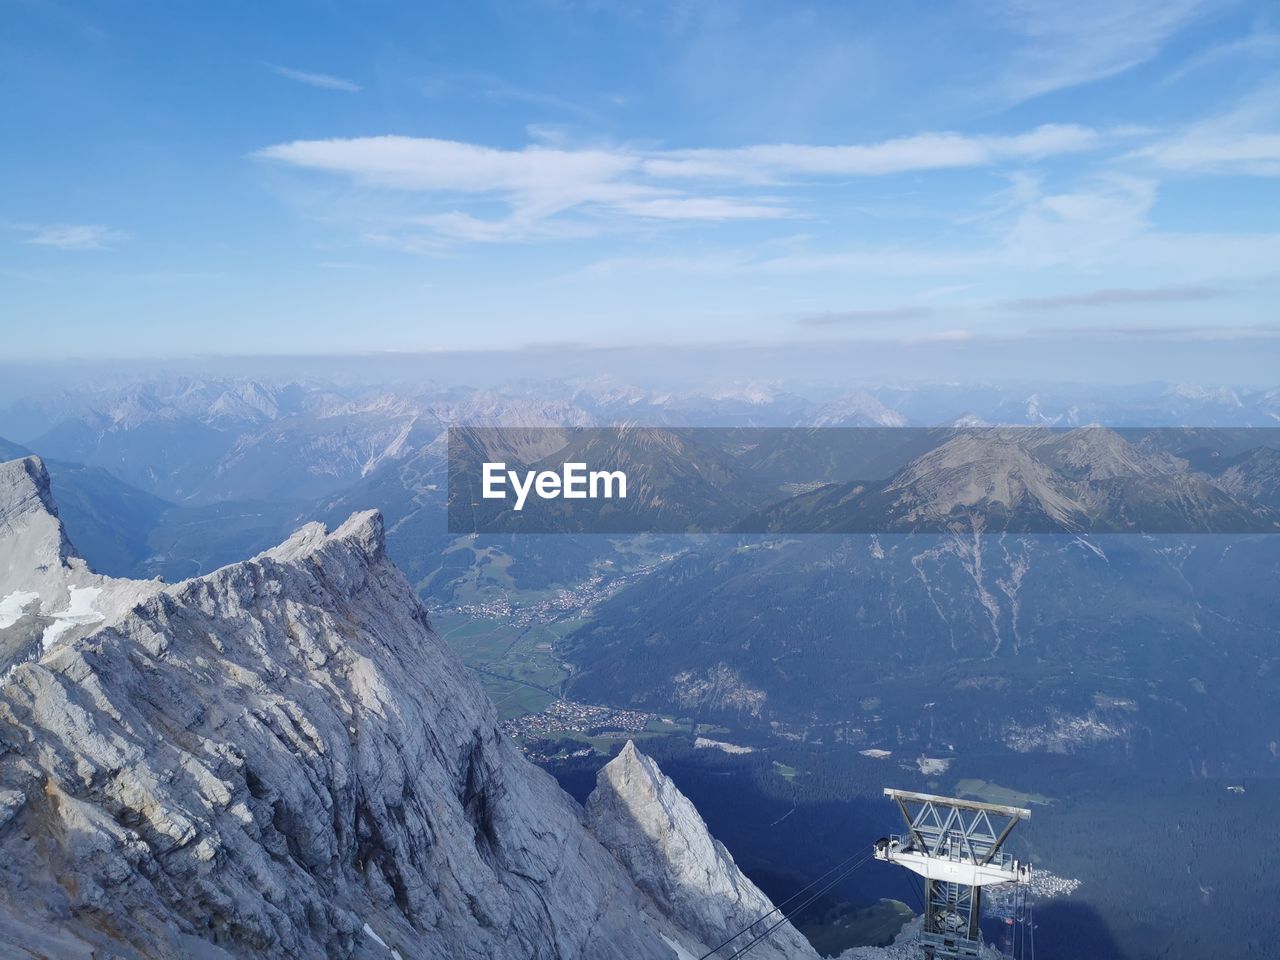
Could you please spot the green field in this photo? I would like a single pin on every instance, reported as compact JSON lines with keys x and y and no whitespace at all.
{"x":669,"y":725}
{"x":516,"y":664}
{"x":516,"y":661}
{"x":994,"y":793}
{"x":785,"y":771}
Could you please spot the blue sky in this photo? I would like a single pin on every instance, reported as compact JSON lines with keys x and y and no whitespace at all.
{"x":244,"y":177}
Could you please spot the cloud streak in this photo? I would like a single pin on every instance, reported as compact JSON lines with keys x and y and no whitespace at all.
{"x":1201,"y":333}
{"x":1115,"y":297}
{"x":1066,"y":45}
{"x":1244,"y":140}
{"x":859,"y":317}
{"x":1086,"y":244}
{"x":1258,"y":45}
{"x":323,"y":81}
{"x":73,"y":236}
{"x":927,"y":151}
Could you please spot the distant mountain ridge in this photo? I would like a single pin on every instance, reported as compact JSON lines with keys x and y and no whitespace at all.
{"x":196,"y":440}
{"x":1027,"y":480}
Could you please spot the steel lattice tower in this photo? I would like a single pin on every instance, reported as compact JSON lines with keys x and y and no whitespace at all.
{"x":955,"y":845}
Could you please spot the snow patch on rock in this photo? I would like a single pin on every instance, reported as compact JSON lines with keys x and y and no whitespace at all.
{"x":13,"y":606}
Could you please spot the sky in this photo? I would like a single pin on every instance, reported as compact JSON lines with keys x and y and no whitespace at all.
{"x":301,"y":178}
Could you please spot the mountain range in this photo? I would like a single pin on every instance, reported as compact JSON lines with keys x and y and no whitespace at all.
{"x":1047,"y":662}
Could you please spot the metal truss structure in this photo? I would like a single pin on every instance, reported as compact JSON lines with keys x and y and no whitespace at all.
{"x":955,"y":846}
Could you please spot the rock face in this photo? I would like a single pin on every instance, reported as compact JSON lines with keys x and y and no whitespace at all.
{"x":653,"y":829}
{"x":281,"y":759}
{"x":48,"y":595}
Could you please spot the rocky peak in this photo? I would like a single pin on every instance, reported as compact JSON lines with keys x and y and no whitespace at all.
{"x":281,"y":759}
{"x":640,"y":815}
{"x":29,"y":515}
{"x":981,"y":469}
{"x":362,"y":536}
{"x":48,"y":595}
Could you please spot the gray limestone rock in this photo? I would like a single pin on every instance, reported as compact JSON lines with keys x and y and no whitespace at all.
{"x":651,"y":827}
{"x":281,"y":759}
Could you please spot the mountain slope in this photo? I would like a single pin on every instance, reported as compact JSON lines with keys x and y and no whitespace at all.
{"x":1255,"y":475}
{"x":1139,"y":650}
{"x":640,"y":815}
{"x":1027,"y":480}
{"x":279,"y":759}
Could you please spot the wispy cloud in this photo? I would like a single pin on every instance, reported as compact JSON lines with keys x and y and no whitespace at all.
{"x":1245,"y":140}
{"x":72,"y":236}
{"x":325,"y":81}
{"x":1256,"y":154}
{"x":1115,"y":297}
{"x":1199,"y":333}
{"x":927,"y":151}
{"x":1067,"y":44}
{"x":1258,"y":45}
{"x":1100,"y":230}
{"x":540,"y":183}
{"x":492,"y":89}
{"x":1089,"y":226}
{"x":842,"y":318}
{"x":704,"y":208}
{"x":940,"y":336}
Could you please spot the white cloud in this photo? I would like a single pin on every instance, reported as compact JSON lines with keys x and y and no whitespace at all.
{"x":866,"y":315}
{"x":325,"y":81}
{"x":1246,"y":140}
{"x":456,"y":225}
{"x":1257,"y":45}
{"x":703,"y":208}
{"x":929,"y":151}
{"x":1257,"y":154}
{"x":1096,"y":241}
{"x":540,"y":182}
{"x":1115,"y":296}
{"x":1087,"y":227}
{"x":71,"y":236}
{"x":1068,"y":44}
{"x":424,"y":163}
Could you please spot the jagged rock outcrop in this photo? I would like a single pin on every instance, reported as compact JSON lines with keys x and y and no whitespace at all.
{"x":640,"y":815}
{"x":48,"y":595}
{"x":281,"y":759}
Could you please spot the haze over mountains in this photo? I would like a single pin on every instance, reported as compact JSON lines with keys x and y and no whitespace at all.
{"x":255,"y":456}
